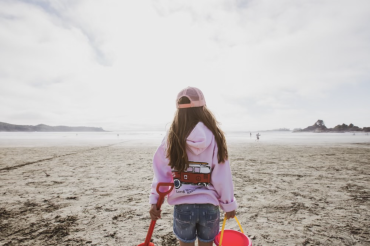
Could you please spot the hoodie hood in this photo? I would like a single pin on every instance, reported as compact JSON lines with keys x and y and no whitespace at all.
{"x":199,"y":139}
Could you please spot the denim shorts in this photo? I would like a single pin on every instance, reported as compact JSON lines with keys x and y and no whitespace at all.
{"x":196,"y":220}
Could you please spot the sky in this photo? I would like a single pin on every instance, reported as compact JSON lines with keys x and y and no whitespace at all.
{"x":261,"y":64}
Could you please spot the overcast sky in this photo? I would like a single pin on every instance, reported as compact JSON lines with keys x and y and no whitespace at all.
{"x":120,"y":64}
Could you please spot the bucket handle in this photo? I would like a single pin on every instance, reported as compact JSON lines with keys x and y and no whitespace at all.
{"x":223,"y":227}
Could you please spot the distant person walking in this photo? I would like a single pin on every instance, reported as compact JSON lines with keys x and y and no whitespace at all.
{"x":258,"y":136}
{"x":250,"y":134}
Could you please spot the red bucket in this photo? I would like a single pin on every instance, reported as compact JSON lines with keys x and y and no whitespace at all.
{"x":231,"y":237}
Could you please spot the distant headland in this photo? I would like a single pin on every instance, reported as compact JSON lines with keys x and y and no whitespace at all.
{"x":319,"y":126}
{"x":279,"y":130}
{"x":5,"y":127}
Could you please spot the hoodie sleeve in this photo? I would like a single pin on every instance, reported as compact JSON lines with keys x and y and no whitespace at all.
{"x":162,"y":172}
{"x":223,"y":184}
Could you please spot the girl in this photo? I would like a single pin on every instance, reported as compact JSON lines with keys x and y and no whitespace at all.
{"x":194,"y":157}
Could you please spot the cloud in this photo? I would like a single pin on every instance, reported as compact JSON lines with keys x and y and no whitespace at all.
{"x":120,"y":65}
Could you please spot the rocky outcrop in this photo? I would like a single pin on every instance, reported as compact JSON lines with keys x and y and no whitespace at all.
{"x":5,"y":127}
{"x":346,"y":128}
{"x":319,"y":126}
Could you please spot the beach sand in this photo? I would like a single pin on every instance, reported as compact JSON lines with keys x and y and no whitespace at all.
{"x":98,"y":195}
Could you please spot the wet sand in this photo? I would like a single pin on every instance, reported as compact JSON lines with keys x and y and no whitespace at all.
{"x":98,"y":195}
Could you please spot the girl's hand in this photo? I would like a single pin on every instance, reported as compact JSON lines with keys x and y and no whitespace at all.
{"x":230,"y":214}
{"x":154,"y":212}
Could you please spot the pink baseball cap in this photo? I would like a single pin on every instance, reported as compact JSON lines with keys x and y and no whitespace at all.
{"x":195,"y":96}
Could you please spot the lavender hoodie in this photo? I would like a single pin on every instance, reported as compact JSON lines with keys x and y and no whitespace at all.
{"x":216,"y":189}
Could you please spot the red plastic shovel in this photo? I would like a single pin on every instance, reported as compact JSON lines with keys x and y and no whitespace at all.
{"x":159,"y":204}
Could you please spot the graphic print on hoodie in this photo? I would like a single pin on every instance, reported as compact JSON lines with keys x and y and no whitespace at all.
{"x":198,"y":173}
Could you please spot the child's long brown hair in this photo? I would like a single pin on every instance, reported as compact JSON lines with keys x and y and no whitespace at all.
{"x":184,"y":122}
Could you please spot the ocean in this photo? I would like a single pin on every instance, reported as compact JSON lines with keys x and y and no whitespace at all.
{"x":35,"y":139}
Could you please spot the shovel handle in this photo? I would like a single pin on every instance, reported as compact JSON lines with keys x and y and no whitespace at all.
{"x":159,"y":204}
{"x":163,"y":194}
{"x":166,"y":192}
